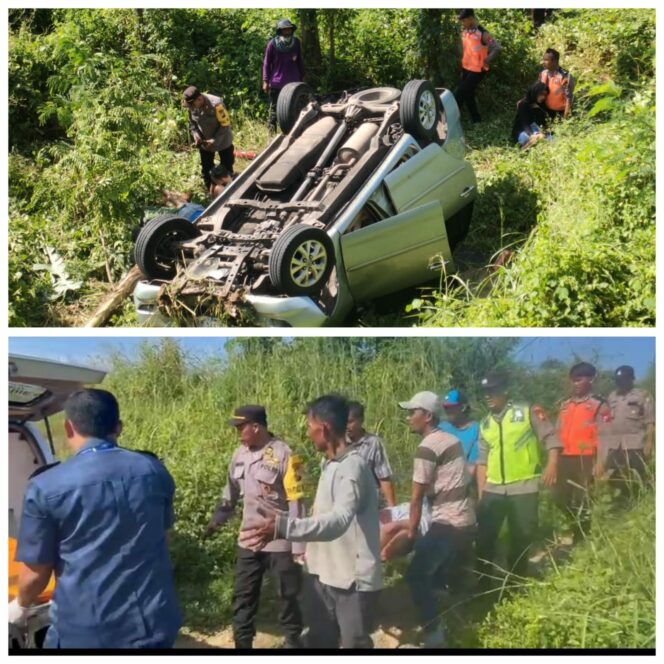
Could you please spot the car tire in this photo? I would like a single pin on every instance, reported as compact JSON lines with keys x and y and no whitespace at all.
{"x":292,"y":99}
{"x":419,"y":110}
{"x":457,"y":225}
{"x":301,"y":260}
{"x":155,"y":251}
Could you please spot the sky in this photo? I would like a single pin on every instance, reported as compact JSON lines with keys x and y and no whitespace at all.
{"x":607,"y":352}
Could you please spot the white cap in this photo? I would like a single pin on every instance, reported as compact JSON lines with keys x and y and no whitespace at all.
{"x":429,"y":401}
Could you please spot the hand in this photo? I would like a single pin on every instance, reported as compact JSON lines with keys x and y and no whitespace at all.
{"x":211,"y":529}
{"x":257,"y":537}
{"x":647,"y":450}
{"x":412,"y":534}
{"x":550,"y":475}
{"x":599,"y":470}
{"x":208,"y":141}
{"x":266,"y":87}
{"x":298,"y":558}
{"x":197,"y":142}
{"x":18,"y":615}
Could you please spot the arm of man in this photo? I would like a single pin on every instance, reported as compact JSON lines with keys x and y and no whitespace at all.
{"x":267,"y":66}
{"x":569,"y":94}
{"x":649,"y":419}
{"x":547,"y":436}
{"x":494,"y":48}
{"x":383,"y":471}
{"x":424,"y":474}
{"x":37,"y":549}
{"x":326,"y":526}
{"x":482,"y":460}
{"x":226,"y":506}
{"x":416,"y":500}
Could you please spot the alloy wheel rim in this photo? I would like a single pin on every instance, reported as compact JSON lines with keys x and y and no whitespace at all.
{"x":308,"y":263}
{"x":427,"y":109}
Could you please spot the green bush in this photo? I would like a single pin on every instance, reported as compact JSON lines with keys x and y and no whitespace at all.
{"x":604,"y":597}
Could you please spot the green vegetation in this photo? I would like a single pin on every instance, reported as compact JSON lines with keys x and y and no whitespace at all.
{"x":177,"y":407}
{"x":97,"y":135}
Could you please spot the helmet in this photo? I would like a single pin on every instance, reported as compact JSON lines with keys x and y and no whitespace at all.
{"x":284,"y":24}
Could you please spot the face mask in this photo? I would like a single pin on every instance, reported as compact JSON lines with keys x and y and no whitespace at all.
{"x":286,"y":41}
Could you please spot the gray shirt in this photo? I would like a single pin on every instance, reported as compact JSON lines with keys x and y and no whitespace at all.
{"x":631,"y":414}
{"x":342,"y":535}
{"x":372,"y":450}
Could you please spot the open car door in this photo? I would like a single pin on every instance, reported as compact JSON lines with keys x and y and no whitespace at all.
{"x":396,"y":252}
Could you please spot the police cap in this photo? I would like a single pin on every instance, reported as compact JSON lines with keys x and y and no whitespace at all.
{"x":625,"y":371}
{"x":494,"y":382}
{"x":251,"y":413}
{"x":583,"y":369}
{"x":191,"y":93}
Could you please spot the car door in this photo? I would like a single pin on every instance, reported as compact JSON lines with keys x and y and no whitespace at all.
{"x":432,"y":175}
{"x":396,"y":252}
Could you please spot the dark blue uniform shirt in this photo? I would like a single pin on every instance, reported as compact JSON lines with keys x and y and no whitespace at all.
{"x":100,"y":518}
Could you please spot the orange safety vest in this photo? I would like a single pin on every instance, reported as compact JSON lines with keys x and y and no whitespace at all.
{"x":474,"y":51}
{"x":578,"y":426}
{"x":556,"y":100}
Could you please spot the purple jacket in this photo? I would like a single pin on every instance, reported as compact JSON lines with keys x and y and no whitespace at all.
{"x":281,"y":68}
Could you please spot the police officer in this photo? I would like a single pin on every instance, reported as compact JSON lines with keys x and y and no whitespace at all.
{"x":581,"y":421}
{"x":371,"y":449}
{"x":631,"y":431}
{"x":509,"y":470}
{"x":479,"y":50}
{"x":263,"y":471}
{"x":210,"y":127}
{"x":99,"y":521}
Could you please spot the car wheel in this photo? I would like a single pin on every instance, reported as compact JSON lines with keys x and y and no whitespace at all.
{"x":457,"y":225}
{"x":301,"y":260}
{"x":419,"y":109}
{"x":290,"y":103}
{"x":156,"y":249}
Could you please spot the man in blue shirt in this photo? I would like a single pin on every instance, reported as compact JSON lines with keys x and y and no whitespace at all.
{"x":99,"y":521}
{"x":461,"y":426}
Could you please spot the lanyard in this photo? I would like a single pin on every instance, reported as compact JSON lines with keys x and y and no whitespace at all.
{"x":103,"y":447}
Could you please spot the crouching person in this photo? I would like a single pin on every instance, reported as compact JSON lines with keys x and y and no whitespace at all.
{"x":440,"y":474}
{"x":342,"y":535}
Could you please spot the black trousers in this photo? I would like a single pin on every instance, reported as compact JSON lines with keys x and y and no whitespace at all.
{"x":273,"y":95}
{"x":338,"y":617}
{"x":522,"y":520}
{"x":465,"y":92}
{"x":572,"y":491}
{"x":624,"y":463}
{"x":226,"y":157}
{"x":250,"y":567}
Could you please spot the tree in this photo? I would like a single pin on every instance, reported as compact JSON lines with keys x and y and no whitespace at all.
{"x":311,"y":53}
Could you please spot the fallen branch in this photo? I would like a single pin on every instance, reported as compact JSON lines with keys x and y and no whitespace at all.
{"x":115,"y":298}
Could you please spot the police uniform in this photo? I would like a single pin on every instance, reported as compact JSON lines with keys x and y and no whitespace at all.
{"x":631,"y":415}
{"x":581,"y":423}
{"x":100,"y":519}
{"x":510,"y":447}
{"x":212,"y":121}
{"x":271,"y":474}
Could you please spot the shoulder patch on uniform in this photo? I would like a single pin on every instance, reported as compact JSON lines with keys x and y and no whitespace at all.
{"x":43,"y":469}
{"x":293,"y":478}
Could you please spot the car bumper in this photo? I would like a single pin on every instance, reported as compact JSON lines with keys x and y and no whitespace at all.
{"x":293,"y":311}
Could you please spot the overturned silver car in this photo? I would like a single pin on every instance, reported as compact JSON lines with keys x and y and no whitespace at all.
{"x":359,"y":197}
